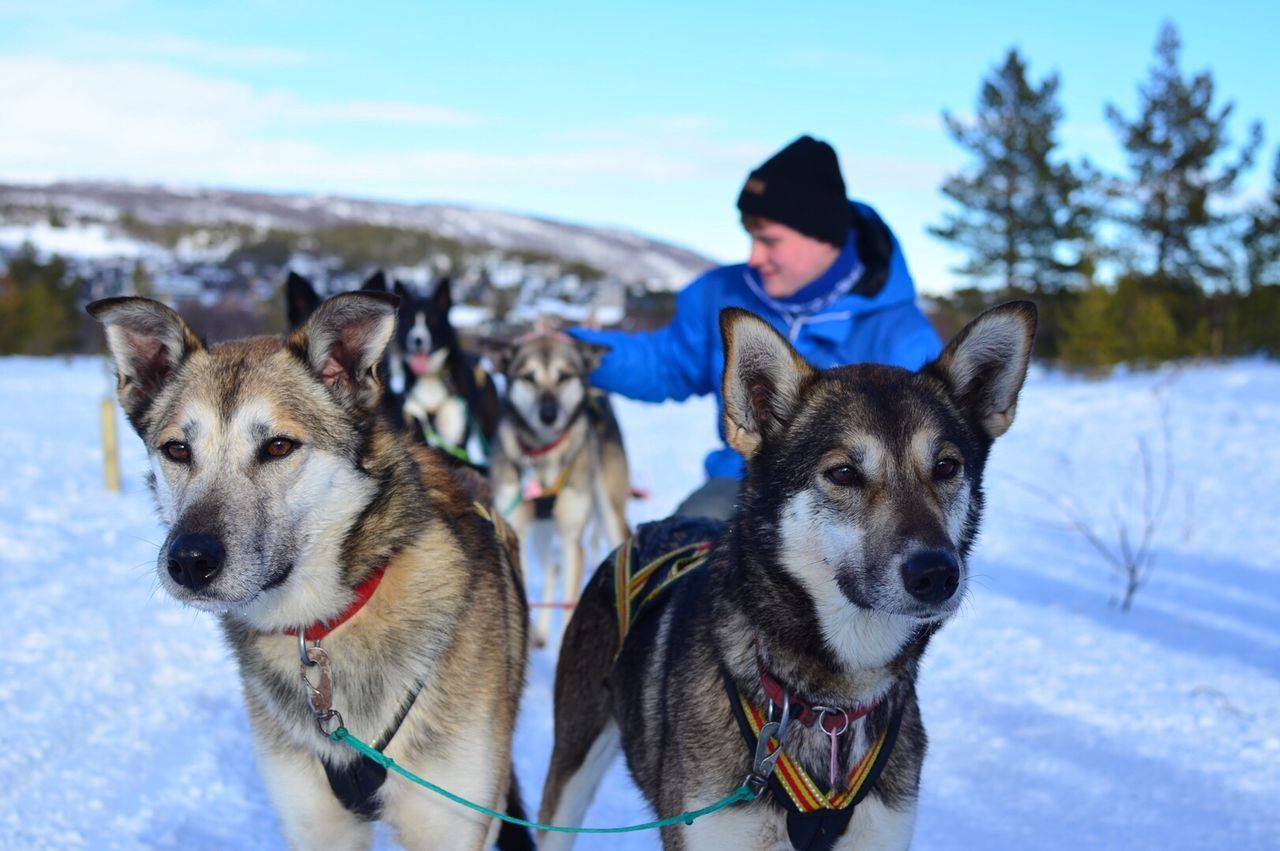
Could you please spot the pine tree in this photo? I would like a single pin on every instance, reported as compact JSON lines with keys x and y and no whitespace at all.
{"x":1174,"y":147}
{"x":1262,"y":238}
{"x":1022,"y":215}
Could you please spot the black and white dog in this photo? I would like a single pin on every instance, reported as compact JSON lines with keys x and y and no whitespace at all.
{"x":448,"y":396}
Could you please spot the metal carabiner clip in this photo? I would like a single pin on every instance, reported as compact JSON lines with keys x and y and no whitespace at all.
{"x":764,"y":761}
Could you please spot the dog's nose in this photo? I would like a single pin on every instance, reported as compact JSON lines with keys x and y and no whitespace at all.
{"x":548,"y":409}
{"x":931,"y":577}
{"x":194,"y":560}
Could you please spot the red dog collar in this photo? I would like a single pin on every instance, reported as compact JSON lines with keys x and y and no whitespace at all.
{"x":363,"y":592}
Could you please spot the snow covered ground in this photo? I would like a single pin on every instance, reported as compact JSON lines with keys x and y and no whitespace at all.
{"x":1055,"y":719}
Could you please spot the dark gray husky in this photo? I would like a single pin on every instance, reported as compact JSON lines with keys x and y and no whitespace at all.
{"x":803,"y":620}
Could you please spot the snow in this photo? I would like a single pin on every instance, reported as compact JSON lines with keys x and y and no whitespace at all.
{"x":89,"y":241}
{"x":1056,"y":721}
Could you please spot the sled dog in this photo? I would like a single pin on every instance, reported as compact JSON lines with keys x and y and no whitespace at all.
{"x":448,"y":396}
{"x":558,"y":456}
{"x":804,"y":619}
{"x":358,"y":581}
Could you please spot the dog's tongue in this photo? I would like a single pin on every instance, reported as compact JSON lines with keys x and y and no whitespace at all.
{"x":418,"y":363}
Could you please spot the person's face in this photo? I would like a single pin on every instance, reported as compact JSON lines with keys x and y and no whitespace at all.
{"x":786,"y":259}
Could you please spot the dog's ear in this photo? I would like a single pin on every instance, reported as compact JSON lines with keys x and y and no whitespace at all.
{"x":406,"y":303}
{"x":499,"y":352}
{"x":442,"y":297}
{"x":985,"y":364}
{"x":375,"y":283}
{"x":763,"y":378}
{"x":300,"y":299}
{"x":343,"y":342}
{"x":149,"y":343}
{"x":592,"y":354}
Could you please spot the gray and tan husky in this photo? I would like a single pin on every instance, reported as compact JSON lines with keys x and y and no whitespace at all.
{"x":316,"y":533}
{"x":557,"y":457}
{"x":805,"y":618}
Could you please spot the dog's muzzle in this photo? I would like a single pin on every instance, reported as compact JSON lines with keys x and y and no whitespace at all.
{"x":548,"y":408}
{"x":931,"y":577}
{"x":195,"y":560}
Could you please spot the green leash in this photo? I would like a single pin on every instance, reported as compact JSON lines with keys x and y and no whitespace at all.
{"x":743,"y":793}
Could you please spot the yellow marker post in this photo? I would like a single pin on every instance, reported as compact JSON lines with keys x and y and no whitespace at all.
{"x":110,"y":446}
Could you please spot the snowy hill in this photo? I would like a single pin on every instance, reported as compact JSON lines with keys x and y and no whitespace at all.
{"x":1055,"y":720}
{"x":627,"y":257}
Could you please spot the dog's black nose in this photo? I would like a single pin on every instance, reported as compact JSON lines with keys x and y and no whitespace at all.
{"x":548,"y":409}
{"x":931,"y":577}
{"x":194,"y":560}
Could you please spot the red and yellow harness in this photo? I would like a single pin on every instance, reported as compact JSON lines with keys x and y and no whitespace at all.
{"x":816,"y":818}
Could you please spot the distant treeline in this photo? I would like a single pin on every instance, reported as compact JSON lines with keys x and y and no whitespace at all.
{"x":1163,"y":261}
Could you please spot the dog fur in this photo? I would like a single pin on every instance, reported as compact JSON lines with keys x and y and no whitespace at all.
{"x":301,"y":300}
{"x":446,"y":391}
{"x":282,"y":491}
{"x":847,"y":552}
{"x":556,"y":429}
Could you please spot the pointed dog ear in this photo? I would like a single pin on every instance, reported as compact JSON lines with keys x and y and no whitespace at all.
{"x":149,"y":343}
{"x":498,"y":351}
{"x":377,"y":282}
{"x":442,"y":296}
{"x":300,"y":299}
{"x":985,"y":364}
{"x":343,"y":343}
{"x":592,"y":354}
{"x":763,"y":379}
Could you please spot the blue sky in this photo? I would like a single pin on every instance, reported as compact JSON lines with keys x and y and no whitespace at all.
{"x":644,"y":117}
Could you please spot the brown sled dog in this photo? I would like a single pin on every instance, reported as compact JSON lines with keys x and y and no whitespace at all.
{"x":298,"y":516}
{"x":802,"y":621}
{"x":558,"y":436}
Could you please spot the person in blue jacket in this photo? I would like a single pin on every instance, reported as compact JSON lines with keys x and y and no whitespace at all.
{"x":825,"y":271}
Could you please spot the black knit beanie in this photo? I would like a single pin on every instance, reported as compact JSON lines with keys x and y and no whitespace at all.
{"x":801,"y":187}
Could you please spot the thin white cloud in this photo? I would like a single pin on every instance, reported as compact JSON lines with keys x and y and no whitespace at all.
{"x":146,"y":121}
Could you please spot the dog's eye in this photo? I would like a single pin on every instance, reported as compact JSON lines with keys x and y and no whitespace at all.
{"x":527,"y":376}
{"x":844,"y":476}
{"x":562,"y":377}
{"x":945,"y":468}
{"x":278,"y":447}
{"x":177,"y":451}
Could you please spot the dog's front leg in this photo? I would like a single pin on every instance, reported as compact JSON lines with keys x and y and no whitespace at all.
{"x":471,"y":764}
{"x":312,"y":817}
{"x":573,"y":510}
{"x":749,"y":827}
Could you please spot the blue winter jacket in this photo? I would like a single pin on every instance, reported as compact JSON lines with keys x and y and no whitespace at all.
{"x":877,"y":321}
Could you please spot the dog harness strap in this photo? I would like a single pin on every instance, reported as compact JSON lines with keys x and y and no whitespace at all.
{"x":815,"y":820}
{"x":363,"y":592}
{"x":634,"y":589}
{"x":355,"y":783}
